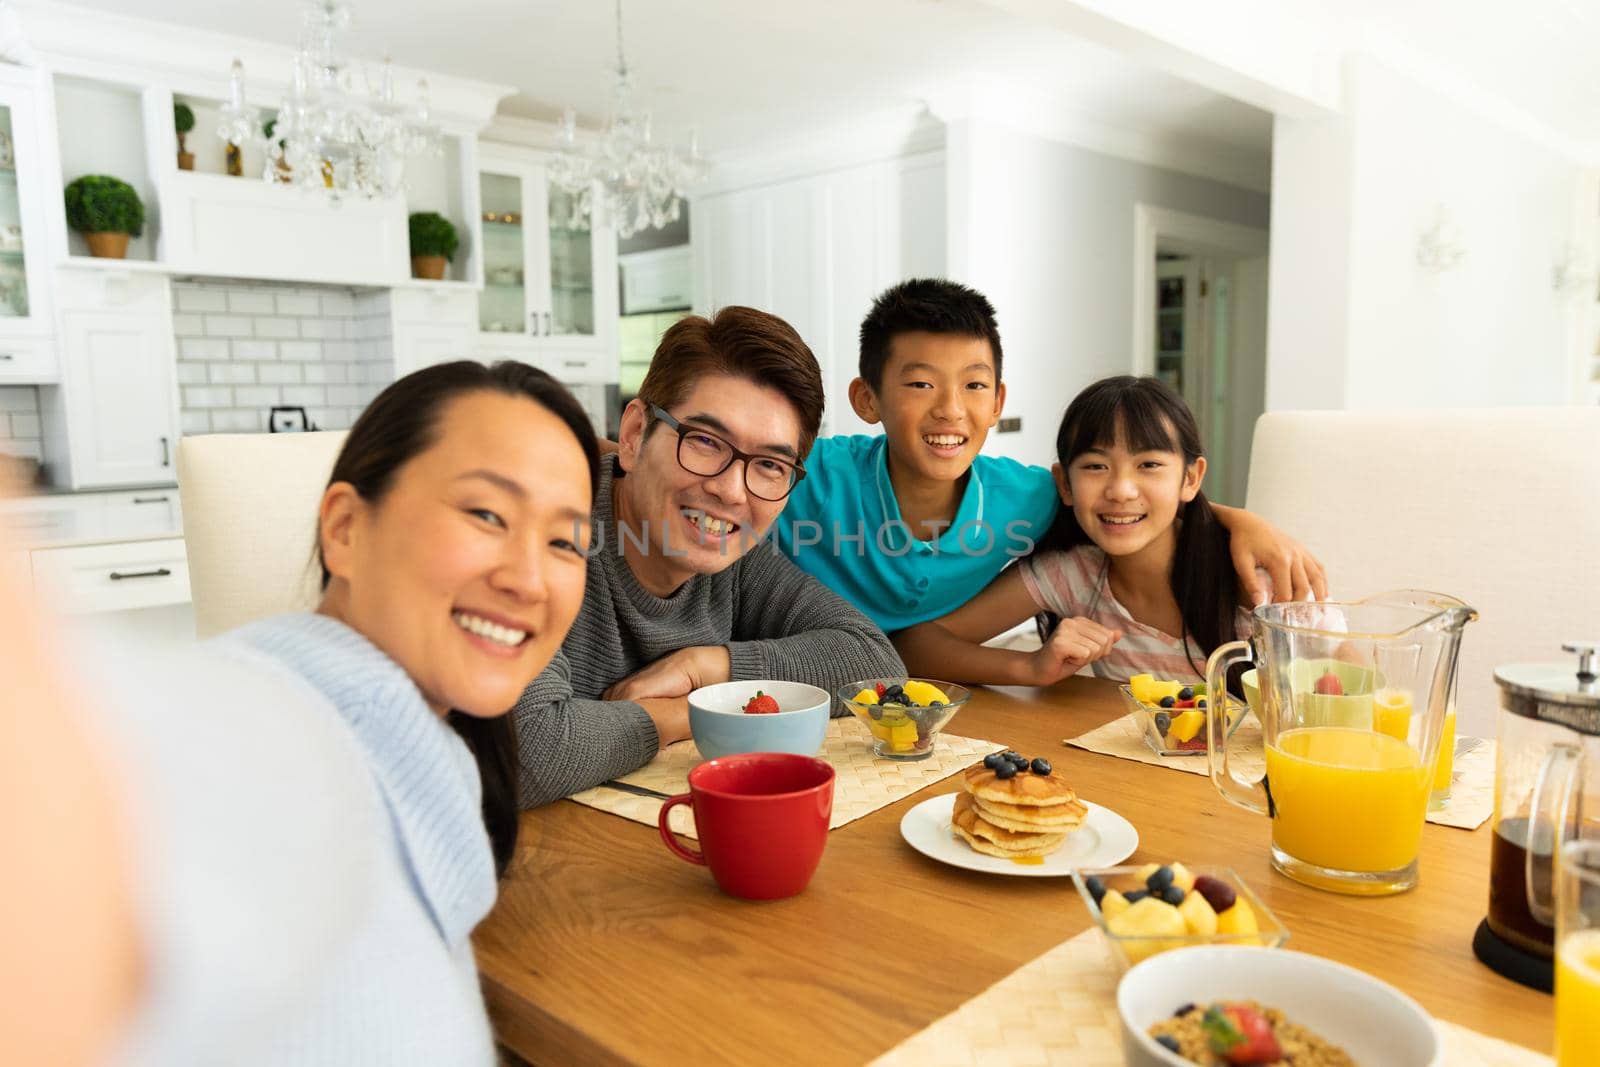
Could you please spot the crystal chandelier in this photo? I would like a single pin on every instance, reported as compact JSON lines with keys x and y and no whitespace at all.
{"x":328,"y":135}
{"x":623,"y":177}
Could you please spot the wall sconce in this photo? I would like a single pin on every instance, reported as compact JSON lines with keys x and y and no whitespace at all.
{"x":1573,"y":274}
{"x":1439,"y":249}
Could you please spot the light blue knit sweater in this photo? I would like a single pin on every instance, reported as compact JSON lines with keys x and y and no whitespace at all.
{"x":404,"y":989}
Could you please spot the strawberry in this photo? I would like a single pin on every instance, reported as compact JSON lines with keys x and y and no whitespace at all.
{"x":761,"y":704}
{"x":1240,"y":1035}
{"x":1329,"y":685}
{"x":882,"y":689}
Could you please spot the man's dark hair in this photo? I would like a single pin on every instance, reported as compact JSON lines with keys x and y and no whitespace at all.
{"x":926,"y":305}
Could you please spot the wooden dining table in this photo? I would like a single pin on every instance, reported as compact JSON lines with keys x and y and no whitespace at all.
{"x":604,"y":948}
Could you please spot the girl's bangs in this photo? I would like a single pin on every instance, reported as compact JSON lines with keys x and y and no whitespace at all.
{"x":1132,"y":417}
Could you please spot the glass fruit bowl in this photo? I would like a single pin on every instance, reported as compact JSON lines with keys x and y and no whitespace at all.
{"x":1178,"y":730}
{"x":1216,"y":908}
{"x":905,"y":715}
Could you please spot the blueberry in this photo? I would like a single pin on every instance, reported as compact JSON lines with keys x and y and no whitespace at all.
{"x":1095,"y":886}
{"x":1170,"y":1043}
{"x":1136,"y":895}
{"x":1005,"y":770}
{"x":1173,"y":895}
{"x":1011,"y":754}
{"x":1040,"y":765}
{"x":1185,"y":1010}
{"x":1168,"y":702}
{"x":1200,"y":703}
{"x":1186,"y":693}
{"x":1020,"y":762}
{"x":1163,"y":722}
{"x":936,"y":704}
{"x":1159,"y":879}
{"x":993,"y":760}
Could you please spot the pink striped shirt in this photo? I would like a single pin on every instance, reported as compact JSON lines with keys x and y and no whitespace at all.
{"x":1074,"y":584}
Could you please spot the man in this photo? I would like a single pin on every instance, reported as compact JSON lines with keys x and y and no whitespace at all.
{"x":677,"y":599}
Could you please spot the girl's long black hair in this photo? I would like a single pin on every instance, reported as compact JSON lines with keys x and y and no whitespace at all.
{"x":401,"y":422}
{"x":1143,"y":414}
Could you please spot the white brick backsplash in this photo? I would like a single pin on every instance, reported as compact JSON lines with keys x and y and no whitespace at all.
{"x":305,"y":395}
{"x":251,"y":302}
{"x":278,"y":327}
{"x":281,"y":373}
{"x":227,"y":326}
{"x":336,"y":304}
{"x":233,"y":374}
{"x":255,"y":350}
{"x":202,"y":348}
{"x":255,"y":395}
{"x":200,"y":396}
{"x":299,"y":303}
{"x":247,"y":346}
{"x":300,"y":350}
{"x":238,"y":421}
{"x":196,"y":298}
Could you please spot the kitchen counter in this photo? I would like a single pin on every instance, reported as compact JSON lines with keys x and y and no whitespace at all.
{"x":73,"y":519}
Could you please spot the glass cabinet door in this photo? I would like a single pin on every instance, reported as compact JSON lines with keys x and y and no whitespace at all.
{"x":503,"y":307}
{"x":571,"y":270}
{"x":13,"y":272}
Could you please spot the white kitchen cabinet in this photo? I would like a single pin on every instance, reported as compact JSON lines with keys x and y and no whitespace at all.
{"x":113,"y":577}
{"x":432,"y":325}
{"x":27,"y":344}
{"x":548,"y":287}
{"x":118,"y":398}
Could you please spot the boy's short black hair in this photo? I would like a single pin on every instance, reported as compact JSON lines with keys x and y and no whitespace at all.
{"x":931,"y":305}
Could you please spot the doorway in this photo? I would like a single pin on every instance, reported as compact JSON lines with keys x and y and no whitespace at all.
{"x":1200,"y":307}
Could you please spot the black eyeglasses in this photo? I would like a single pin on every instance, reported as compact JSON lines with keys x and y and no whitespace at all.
{"x":704,"y":453}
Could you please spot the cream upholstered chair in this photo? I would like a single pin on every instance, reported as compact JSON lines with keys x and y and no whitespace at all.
{"x":250,"y":522}
{"x":1500,"y":507}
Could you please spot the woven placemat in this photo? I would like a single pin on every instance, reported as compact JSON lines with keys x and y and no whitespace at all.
{"x":1471,"y":785}
{"x":1062,"y":1009}
{"x":865,"y":783}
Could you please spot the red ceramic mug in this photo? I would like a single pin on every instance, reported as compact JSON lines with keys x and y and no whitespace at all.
{"x":762,"y":818}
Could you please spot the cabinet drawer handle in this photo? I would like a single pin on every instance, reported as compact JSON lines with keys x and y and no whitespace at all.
{"x":159,"y":572}
{"x":547,"y":324}
{"x":6,"y":357}
{"x":149,"y":500}
{"x":575,"y":363}
{"x":166,"y":459}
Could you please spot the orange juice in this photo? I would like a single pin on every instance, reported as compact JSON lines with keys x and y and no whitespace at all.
{"x":1391,"y":712}
{"x":1350,"y":800}
{"x":1445,"y":763}
{"x":1578,"y":999}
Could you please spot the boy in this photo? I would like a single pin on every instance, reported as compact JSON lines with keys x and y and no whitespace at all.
{"x":911,"y":524}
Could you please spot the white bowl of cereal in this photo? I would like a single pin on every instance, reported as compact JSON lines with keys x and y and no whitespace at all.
{"x":1323,"y":1013}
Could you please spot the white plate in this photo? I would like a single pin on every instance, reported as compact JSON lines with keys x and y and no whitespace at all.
{"x":1104,"y":840}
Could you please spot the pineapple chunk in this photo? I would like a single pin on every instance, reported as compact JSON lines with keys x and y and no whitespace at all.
{"x":1239,"y":919}
{"x":1147,"y":927}
{"x":925,"y":693}
{"x":1198,"y":916}
{"x":903,"y":736}
{"x":1181,"y":876}
{"x":1142,"y":686}
{"x":1113,"y":904}
{"x":866,"y":696}
{"x":1185,"y":725}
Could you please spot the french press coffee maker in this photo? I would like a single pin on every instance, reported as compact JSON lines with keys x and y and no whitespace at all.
{"x":1547,"y":791}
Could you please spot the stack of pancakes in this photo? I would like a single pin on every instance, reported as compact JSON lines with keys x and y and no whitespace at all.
{"x":1019,"y":817}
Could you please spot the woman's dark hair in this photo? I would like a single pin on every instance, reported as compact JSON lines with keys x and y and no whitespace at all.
{"x":401,"y":423}
{"x":1144,"y":414}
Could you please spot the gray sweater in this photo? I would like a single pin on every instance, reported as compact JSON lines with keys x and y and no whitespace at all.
{"x":777,"y":622}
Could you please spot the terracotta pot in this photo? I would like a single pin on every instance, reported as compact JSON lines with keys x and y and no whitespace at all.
{"x":430,"y":267}
{"x":186,"y":161}
{"x":107,"y":245}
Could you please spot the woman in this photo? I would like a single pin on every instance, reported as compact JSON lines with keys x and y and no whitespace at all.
{"x":310,"y":854}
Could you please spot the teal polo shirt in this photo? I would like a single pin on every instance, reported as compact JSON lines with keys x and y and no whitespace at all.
{"x":842,"y":524}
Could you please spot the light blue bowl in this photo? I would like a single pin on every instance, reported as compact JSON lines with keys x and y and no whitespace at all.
{"x":721,"y":728}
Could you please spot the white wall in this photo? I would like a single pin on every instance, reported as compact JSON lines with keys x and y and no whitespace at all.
{"x":1046,"y":231}
{"x":1354,"y":321}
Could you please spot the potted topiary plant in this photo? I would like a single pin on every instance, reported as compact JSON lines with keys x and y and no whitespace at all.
{"x":106,"y":211}
{"x":183,"y":121}
{"x":433,"y":244}
{"x":282,"y":172}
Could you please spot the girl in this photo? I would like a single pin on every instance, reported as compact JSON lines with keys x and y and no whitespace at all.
{"x":1137,"y":565}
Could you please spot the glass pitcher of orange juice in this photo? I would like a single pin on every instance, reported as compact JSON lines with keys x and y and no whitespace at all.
{"x":1354,"y":697}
